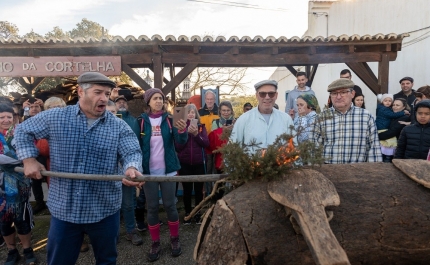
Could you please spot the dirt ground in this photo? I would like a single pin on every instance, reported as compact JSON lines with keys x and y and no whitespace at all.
{"x":127,"y":253}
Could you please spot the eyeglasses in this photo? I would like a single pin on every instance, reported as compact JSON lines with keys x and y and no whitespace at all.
{"x":226,"y":110}
{"x":249,"y":108}
{"x":264,"y":94}
{"x":341,"y":93}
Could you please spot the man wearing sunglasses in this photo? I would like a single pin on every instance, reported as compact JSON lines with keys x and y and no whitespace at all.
{"x":263,"y":123}
{"x":347,"y":133}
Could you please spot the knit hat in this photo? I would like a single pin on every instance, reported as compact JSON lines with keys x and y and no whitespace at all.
{"x":311,"y":100}
{"x":340,"y":83}
{"x":150,"y":92}
{"x":384,"y":96}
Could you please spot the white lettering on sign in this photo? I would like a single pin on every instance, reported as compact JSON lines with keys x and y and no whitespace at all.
{"x":26,"y":66}
{"x":6,"y":67}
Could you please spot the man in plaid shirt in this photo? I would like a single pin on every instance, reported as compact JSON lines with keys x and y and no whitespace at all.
{"x":83,"y":139}
{"x":347,"y":133}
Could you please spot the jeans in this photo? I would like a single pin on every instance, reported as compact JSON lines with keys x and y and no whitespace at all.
{"x":127,"y":207}
{"x":65,"y":240}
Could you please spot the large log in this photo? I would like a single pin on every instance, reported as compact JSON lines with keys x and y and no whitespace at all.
{"x":383,"y":218}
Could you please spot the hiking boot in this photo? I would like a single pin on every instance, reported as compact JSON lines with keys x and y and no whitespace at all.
{"x":154,"y":252}
{"x":40,"y":206}
{"x":30,"y":259}
{"x":176,"y":246}
{"x":134,"y":237}
{"x":12,"y":257}
{"x":187,"y":222}
{"x":141,"y":227}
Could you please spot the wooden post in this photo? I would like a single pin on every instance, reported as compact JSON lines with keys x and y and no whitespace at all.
{"x":158,"y":71}
{"x":383,"y":71}
{"x":363,"y":71}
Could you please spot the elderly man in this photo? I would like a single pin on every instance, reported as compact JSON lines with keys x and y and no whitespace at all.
{"x":347,"y":133}
{"x":209,"y":112}
{"x":83,"y":139}
{"x":263,"y":123}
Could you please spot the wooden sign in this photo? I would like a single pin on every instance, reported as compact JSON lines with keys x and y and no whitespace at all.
{"x":59,"y":66}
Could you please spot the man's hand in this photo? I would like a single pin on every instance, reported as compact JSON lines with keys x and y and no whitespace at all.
{"x":26,"y":103}
{"x":114,"y":93}
{"x":39,"y":102}
{"x":193,"y":130}
{"x":32,"y":168}
{"x":132,"y":173}
{"x":181,"y":125}
{"x":406,"y":112}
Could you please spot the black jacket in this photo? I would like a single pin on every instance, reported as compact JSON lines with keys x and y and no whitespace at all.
{"x":410,"y":99}
{"x":394,"y":129}
{"x":414,"y":141}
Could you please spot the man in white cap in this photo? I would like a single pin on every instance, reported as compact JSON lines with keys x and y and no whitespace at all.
{"x":348,"y":134}
{"x":263,"y":123}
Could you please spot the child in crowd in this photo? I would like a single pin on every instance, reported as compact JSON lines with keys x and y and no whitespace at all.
{"x":384,"y":113}
{"x":414,"y":141}
{"x":358,"y":101}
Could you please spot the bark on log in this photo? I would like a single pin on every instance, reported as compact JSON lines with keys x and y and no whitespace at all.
{"x":383,"y":218}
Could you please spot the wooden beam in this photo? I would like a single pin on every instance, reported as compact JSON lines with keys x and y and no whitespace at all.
{"x":165,"y":80}
{"x":233,"y":50}
{"x":158,"y":71}
{"x":179,"y":77}
{"x":292,"y":70}
{"x":312,"y":75}
{"x":172,"y":75}
{"x":29,"y":83}
{"x":383,"y":72}
{"x":363,"y":71}
{"x":134,"y":76}
{"x":245,"y":60}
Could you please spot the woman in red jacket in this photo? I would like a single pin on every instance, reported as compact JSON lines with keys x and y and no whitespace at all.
{"x":192,"y":158}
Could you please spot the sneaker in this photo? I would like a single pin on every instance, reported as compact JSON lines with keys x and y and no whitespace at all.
{"x":142,"y":227}
{"x":134,"y":237}
{"x":154,"y":252}
{"x":12,"y":257}
{"x":176,"y":246}
{"x":187,"y":222}
{"x":30,"y":259}
{"x":40,"y":206}
{"x":198,"y":219}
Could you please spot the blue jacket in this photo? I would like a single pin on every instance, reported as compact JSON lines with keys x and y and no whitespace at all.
{"x":170,"y":135}
{"x":384,"y":116}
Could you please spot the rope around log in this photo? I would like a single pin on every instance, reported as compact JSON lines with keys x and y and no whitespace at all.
{"x":185,"y":178}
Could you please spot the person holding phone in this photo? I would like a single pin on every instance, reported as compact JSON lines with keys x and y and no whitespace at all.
{"x":226,"y":115}
{"x":159,"y":158}
{"x":193,"y":159}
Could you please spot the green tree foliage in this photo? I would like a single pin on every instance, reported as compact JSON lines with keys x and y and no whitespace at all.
{"x":32,"y":35}
{"x":8,"y":29}
{"x":239,"y":101}
{"x":87,"y":28}
{"x":56,"y":32}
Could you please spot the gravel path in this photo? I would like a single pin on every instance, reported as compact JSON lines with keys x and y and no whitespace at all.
{"x":127,"y":253}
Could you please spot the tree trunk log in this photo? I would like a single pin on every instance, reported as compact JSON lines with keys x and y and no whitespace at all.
{"x":383,"y":218}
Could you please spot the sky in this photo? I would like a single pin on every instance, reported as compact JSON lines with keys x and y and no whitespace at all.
{"x":166,"y":17}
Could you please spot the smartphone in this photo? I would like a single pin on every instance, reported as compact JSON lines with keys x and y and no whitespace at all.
{"x":228,"y":122}
{"x":178,"y":113}
{"x":193,"y":122}
{"x":119,"y":115}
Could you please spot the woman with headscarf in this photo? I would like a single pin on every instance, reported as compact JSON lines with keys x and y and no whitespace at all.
{"x":307,"y":108}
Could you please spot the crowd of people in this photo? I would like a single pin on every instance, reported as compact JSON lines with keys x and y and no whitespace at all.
{"x":98,"y":135}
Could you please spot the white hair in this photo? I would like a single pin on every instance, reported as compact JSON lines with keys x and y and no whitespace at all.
{"x":85,"y":86}
{"x":210,"y":92}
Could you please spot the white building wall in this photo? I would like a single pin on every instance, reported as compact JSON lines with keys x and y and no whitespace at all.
{"x":368,"y":17}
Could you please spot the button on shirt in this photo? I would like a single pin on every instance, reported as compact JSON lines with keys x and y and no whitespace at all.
{"x":76,"y":147}
{"x":349,"y":137}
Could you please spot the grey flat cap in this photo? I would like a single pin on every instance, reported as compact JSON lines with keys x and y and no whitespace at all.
{"x":120,"y":97}
{"x":266,"y":82}
{"x":95,"y":78}
{"x":340,"y":83}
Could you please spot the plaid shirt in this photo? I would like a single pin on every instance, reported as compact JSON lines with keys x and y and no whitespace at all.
{"x":351,"y":137}
{"x":76,"y":147}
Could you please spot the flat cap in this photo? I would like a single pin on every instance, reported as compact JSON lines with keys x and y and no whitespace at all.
{"x":266,"y":82}
{"x":120,"y":97}
{"x":95,"y":78}
{"x":340,"y":83}
{"x":410,"y":79}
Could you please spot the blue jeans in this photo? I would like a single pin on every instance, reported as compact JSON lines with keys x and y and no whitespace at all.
{"x":127,"y":207}
{"x":65,"y":240}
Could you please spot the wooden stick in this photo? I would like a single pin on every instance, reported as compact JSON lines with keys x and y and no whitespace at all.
{"x":185,"y":178}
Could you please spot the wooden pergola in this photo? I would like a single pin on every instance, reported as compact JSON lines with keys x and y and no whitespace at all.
{"x":157,"y":54}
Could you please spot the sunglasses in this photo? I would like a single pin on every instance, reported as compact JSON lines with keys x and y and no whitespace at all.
{"x":264,"y":94}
